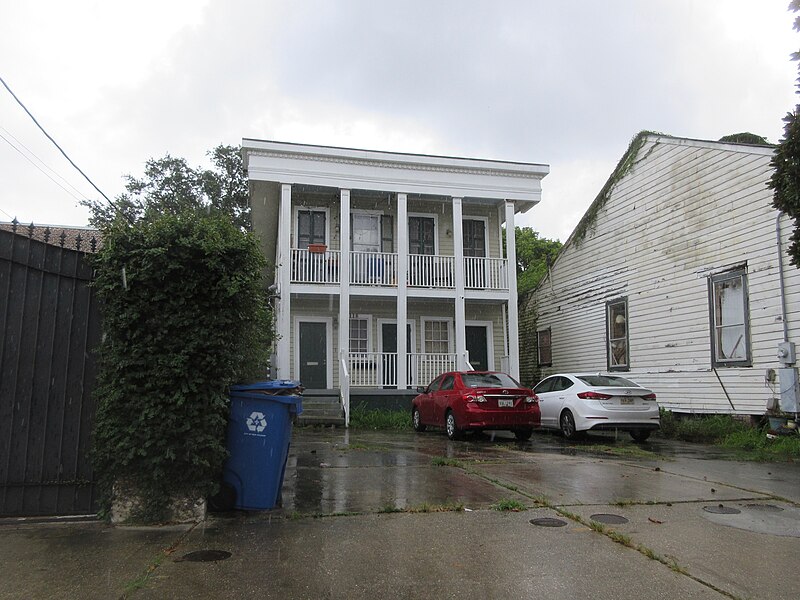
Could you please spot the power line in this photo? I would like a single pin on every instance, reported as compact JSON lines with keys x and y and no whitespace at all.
{"x":45,"y":173}
{"x":47,"y":135}
{"x":30,"y":155}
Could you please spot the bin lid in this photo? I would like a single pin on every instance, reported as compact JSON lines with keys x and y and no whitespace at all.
{"x":294,"y":404}
{"x":272,"y":384}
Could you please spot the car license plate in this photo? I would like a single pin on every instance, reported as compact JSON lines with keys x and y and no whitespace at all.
{"x":503,"y":403}
{"x":626,"y":401}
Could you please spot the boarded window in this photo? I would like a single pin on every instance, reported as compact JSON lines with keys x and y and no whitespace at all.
{"x":545,"y":352}
{"x":617,"y":334}
{"x":730,"y":336}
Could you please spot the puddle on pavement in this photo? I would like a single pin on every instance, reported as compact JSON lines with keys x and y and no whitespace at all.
{"x":721,"y":509}
{"x":548,"y":522}
{"x":204,"y":556}
{"x":609,"y":519}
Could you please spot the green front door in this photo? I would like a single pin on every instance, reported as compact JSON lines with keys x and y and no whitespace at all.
{"x":477,"y":347}
{"x":313,"y":354}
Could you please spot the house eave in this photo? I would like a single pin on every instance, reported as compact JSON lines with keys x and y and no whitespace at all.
{"x":327,"y":166}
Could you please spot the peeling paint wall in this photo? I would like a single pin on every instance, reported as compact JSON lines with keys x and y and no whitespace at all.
{"x":685,"y":211}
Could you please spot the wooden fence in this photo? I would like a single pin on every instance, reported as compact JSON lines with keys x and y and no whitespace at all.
{"x":49,"y":324}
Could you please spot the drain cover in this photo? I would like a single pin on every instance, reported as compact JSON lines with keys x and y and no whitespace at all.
{"x":609,"y":519}
{"x":548,"y":522}
{"x":765,"y":507}
{"x":722,"y":510}
{"x":205,"y":556}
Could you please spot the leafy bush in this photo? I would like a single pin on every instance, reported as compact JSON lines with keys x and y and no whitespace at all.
{"x":185,"y":315}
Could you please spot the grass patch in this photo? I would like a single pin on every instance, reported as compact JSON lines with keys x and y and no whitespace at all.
{"x":437,"y":508}
{"x":725,"y":431}
{"x":629,"y":450}
{"x":509,"y":505}
{"x":380,"y":420}
{"x":441,"y":461}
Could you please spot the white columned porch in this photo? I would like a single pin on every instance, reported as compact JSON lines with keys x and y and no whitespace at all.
{"x":344,"y":280}
{"x":402,"y":291}
{"x":460,"y":311}
{"x":513,"y":315}
{"x":283,"y":318}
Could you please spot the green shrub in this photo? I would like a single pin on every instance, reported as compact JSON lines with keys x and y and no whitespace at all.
{"x":185,"y":315}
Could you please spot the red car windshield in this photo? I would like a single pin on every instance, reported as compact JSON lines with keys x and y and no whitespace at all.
{"x":488,"y":380}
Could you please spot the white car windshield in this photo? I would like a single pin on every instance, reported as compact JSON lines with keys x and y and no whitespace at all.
{"x":606,"y":381}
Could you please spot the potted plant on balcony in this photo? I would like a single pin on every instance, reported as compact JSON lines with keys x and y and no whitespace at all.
{"x":317,"y":248}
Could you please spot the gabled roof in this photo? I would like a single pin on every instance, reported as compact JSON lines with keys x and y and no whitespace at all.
{"x":631,"y":157}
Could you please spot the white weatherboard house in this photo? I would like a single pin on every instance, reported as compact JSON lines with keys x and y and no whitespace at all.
{"x":366,"y":244}
{"x":677,"y":278}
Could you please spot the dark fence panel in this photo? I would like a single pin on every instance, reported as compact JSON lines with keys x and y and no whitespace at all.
{"x":49,"y":322}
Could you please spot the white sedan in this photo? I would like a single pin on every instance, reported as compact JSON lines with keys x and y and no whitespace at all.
{"x":579,"y":402}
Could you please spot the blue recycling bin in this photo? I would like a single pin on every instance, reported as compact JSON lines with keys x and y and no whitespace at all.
{"x":259,"y":431}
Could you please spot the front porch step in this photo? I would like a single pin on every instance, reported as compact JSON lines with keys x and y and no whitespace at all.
{"x":321,"y":407}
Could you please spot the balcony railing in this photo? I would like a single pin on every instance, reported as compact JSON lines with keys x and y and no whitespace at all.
{"x":485,"y":273}
{"x":380,"y":269}
{"x":315,"y":267}
{"x":379,"y":369}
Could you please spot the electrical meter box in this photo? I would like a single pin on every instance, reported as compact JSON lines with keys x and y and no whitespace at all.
{"x":786,"y":353}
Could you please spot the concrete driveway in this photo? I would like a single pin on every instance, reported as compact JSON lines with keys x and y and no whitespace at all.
{"x":404,"y":515}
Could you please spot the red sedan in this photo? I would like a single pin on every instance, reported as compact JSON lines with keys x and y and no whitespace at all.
{"x":475,"y":400}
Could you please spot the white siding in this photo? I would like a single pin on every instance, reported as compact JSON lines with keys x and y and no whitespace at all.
{"x":686,"y":210}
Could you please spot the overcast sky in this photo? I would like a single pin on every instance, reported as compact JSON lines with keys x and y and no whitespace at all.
{"x":562,"y":82}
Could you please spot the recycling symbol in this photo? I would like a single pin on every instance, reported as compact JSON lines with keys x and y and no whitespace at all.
{"x":256,"y":422}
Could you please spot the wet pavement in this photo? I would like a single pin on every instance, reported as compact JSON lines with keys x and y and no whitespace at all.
{"x":370,"y":515}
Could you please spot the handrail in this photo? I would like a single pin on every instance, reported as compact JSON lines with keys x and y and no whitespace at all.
{"x":345,"y":388}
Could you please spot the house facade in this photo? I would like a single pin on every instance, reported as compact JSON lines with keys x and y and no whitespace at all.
{"x":677,"y":278}
{"x":367,"y":244}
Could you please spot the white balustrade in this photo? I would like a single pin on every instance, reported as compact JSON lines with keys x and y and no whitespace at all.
{"x":314,"y":267}
{"x":431,"y":270}
{"x":373,"y":268}
{"x":485,"y":273}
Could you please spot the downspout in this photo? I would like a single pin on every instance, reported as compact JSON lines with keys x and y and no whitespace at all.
{"x":780,"y":277}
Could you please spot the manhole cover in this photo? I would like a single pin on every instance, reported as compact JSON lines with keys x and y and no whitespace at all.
{"x":205,"y":556}
{"x":548,"y":522}
{"x":609,"y":519}
{"x":722,"y":510}
{"x":765,"y":507}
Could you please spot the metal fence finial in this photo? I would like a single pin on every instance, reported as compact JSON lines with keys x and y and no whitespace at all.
{"x":31,"y":228}
{"x":62,"y":238}
{"x":47,"y":233}
{"x":14,"y":224}
{"x":78,"y":242}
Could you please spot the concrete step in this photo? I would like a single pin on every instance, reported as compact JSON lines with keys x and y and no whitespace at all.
{"x":321,"y":407}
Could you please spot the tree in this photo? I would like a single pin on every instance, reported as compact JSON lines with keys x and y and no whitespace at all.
{"x":533,"y":255}
{"x":785,"y":180}
{"x":170,"y":185}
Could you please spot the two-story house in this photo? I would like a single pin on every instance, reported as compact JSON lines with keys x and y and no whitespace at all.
{"x":367,"y":244}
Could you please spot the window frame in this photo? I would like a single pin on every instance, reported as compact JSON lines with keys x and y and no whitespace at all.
{"x":367,"y":319}
{"x":736,"y":273}
{"x":609,"y":340}
{"x":539,"y":361}
{"x":296,"y":223}
{"x":449,"y":327}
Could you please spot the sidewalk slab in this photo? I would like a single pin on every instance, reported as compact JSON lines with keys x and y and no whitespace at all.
{"x":483,"y":554}
{"x":81,"y":560}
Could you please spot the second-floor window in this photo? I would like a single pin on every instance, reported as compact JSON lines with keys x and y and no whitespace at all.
{"x":474,"y":237}
{"x":421,"y":235}
{"x":310,"y":228}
